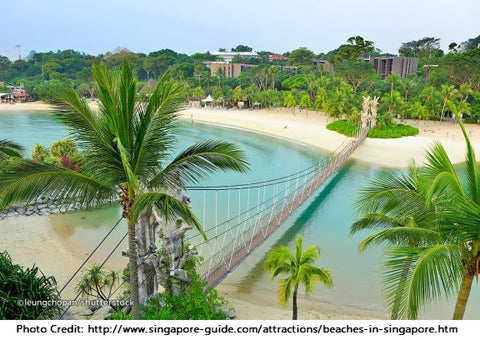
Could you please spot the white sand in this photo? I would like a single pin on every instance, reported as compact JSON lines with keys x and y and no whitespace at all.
{"x":309,"y":127}
{"x":29,"y":106}
{"x":262,"y":305}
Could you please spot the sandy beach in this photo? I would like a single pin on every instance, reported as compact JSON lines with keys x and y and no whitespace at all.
{"x":309,"y":128}
{"x":28,"y":106}
{"x":36,"y":240}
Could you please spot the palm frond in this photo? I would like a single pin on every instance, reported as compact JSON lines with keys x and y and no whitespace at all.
{"x":471,"y":167}
{"x":401,"y":236}
{"x":279,"y":257}
{"x":154,"y":131}
{"x":26,"y":181}
{"x":10,"y":149}
{"x":441,"y":173}
{"x":310,"y":255}
{"x":198,"y":161}
{"x":284,"y":291}
{"x":169,"y":207}
{"x":435,"y":271}
{"x":312,"y":275}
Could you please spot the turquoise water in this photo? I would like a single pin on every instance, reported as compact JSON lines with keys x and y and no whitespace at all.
{"x":324,"y":220}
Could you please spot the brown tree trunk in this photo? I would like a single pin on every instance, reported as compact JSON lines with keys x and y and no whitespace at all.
{"x":132,"y":256}
{"x":295,"y":306}
{"x":463,"y":295}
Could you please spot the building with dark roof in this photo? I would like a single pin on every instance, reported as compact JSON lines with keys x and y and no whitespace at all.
{"x":403,"y":66}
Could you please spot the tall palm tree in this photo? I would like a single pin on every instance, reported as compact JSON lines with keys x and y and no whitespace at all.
{"x":127,"y":147}
{"x":300,"y":270}
{"x":9,"y":149}
{"x":439,"y":254}
{"x":448,"y":93}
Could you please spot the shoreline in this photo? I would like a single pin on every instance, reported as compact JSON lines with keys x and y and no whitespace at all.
{"x":309,"y":128}
{"x":28,"y":106}
{"x":259,"y":303}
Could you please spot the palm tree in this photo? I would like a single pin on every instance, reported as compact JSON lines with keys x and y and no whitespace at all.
{"x":439,"y":254}
{"x":9,"y":149}
{"x":127,"y":147}
{"x":448,"y":93}
{"x":301,"y":270}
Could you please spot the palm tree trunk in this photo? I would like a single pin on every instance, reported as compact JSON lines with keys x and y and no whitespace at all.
{"x":295,"y":306}
{"x":463,"y":295}
{"x":132,"y":256}
{"x":443,"y":110}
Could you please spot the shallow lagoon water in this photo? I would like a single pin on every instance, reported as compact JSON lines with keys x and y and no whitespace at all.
{"x":323,"y":220}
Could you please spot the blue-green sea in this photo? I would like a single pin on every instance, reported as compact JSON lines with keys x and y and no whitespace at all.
{"x":324,"y":220}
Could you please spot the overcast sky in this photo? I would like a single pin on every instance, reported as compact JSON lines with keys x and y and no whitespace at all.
{"x":189,"y":26}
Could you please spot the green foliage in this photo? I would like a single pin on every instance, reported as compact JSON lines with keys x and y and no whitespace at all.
{"x":470,"y":44}
{"x":289,"y":100}
{"x":355,"y":72}
{"x":427,"y":220}
{"x":242,"y":48}
{"x":119,"y":315}
{"x":351,"y":128}
{"x":126,"y":147}
{"x":396,"y":131}
{"x":62,"y":152}
{"x":199,"y":302}
{"x":344,"y":127}
{"x":9,"y":149}
{"x":19,"y":285}
{"x":299,"y":268}
{"x":423,"y":48}
{"x":358,"y":47}
{"x":301,"y":57}
{"x":99,"y":283}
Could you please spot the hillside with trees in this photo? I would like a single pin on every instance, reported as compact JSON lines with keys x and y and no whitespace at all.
{"x":445,"y":83}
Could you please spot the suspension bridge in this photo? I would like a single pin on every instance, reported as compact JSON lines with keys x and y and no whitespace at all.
{"x":245,"y":215}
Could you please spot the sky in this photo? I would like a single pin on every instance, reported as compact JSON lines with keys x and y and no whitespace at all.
{"x":189,"y":26}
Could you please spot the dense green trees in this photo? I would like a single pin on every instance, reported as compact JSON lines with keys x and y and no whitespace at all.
{"x":426,"y":48}
{"x":336,"y":91}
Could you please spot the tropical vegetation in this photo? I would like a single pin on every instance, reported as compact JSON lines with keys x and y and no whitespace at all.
{"x":23,"y":289}
{"x":100,"y":284}
{"x":350,"y":129}
{"x":127,"y":157}
{"x":9,"y":149}
{"x":300,"y":269}
{"x":427,"y":219}
{"x":445,"y":83}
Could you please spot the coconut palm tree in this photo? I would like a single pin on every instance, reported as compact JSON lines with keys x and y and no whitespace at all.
{"x":394,"y":208}
{"x":9,"y":149}
{"x":448,"y":93}
{"x":300,"y":270}
{"x":127,"y":147}
{"x":439,"y":253}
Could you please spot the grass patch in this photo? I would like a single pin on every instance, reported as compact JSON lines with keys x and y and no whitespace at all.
{"x":349,"y":129}
{"x":343,"y":127}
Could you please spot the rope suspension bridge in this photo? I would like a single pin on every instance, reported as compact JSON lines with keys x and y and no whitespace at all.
{"x":245,"y":215}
